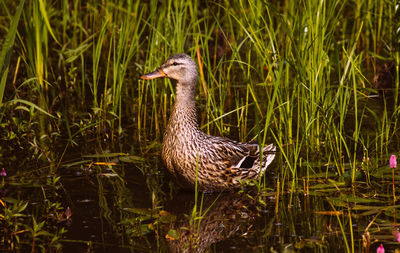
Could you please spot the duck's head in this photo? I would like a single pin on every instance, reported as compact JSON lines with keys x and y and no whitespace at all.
{"x":180,"y":67}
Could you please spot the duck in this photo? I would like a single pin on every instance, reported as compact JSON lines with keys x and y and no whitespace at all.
{"x":194,"y":158}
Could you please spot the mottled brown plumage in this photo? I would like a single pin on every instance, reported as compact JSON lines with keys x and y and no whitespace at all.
{"x":219,"y":163}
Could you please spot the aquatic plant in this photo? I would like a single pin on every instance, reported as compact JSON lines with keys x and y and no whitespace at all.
{"x":380,"y":249}
{"x":3,"y":172}
{"x":393,"y":162}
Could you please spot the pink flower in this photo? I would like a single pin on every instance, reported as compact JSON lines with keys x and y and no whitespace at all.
{"x":380,"y":249}
{"x":393,"y":162}
{"x":68,"y":213}
{"x":398,"y":237}
{"x":3,"y":172}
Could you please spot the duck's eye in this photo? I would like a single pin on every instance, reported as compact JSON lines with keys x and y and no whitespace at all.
{"x":175,"y":63}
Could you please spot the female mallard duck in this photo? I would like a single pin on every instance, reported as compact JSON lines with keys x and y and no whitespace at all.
{"x":189,"y":154}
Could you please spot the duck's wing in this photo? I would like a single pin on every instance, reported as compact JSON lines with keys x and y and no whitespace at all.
{"x":241,"y":155}
{"x":252,"y":160}
{"x":224,"y":162}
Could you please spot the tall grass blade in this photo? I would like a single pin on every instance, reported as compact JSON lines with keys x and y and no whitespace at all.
{"x":5,"y":53}
{"x":42,"y":8}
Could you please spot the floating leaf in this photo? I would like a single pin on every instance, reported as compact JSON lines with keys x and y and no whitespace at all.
{"x":371,"y":212}
{"x":166,"y":217}
{"x":67,"y":165}
{"x":329,"y":212}
{"x":144,"y":230}
{"x":357,"y":199}
{"x":344,"y":199}
{"x":361,"y":207}
{"x":132,"y":159}
{"x":172,"y":235}
{"x":141,"y":211}
{"x":108,"y":175}
{"x":164,"y":213}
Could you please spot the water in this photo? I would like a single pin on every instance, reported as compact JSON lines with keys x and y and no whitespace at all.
{"x":124,"y":203}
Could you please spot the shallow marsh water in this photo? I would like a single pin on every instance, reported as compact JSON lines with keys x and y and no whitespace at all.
{"x":124,"y":203}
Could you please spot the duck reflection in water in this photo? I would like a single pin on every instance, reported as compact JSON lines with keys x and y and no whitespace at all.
{"x":221,"y":217}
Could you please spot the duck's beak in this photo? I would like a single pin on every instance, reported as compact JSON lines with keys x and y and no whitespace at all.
{"x":155,"y":74}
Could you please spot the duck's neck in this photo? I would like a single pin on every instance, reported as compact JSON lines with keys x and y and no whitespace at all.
{"x":184,"y":116}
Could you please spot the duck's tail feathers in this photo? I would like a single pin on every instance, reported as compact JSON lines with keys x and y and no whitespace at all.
{"x":267,"y":156}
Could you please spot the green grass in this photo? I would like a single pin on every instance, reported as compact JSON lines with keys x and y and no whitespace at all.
{"x":297,"y":74}
{"x":285,"y":75}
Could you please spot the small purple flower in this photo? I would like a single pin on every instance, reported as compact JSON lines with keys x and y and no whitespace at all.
{"x":68,"y":213}
{"x":393,"y":162}
{"x":380,"y":249}
{"x":3,"y":172}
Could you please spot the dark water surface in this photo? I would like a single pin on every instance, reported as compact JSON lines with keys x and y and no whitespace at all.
{"x":128,"y":205}
{"x":123,"y":202}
